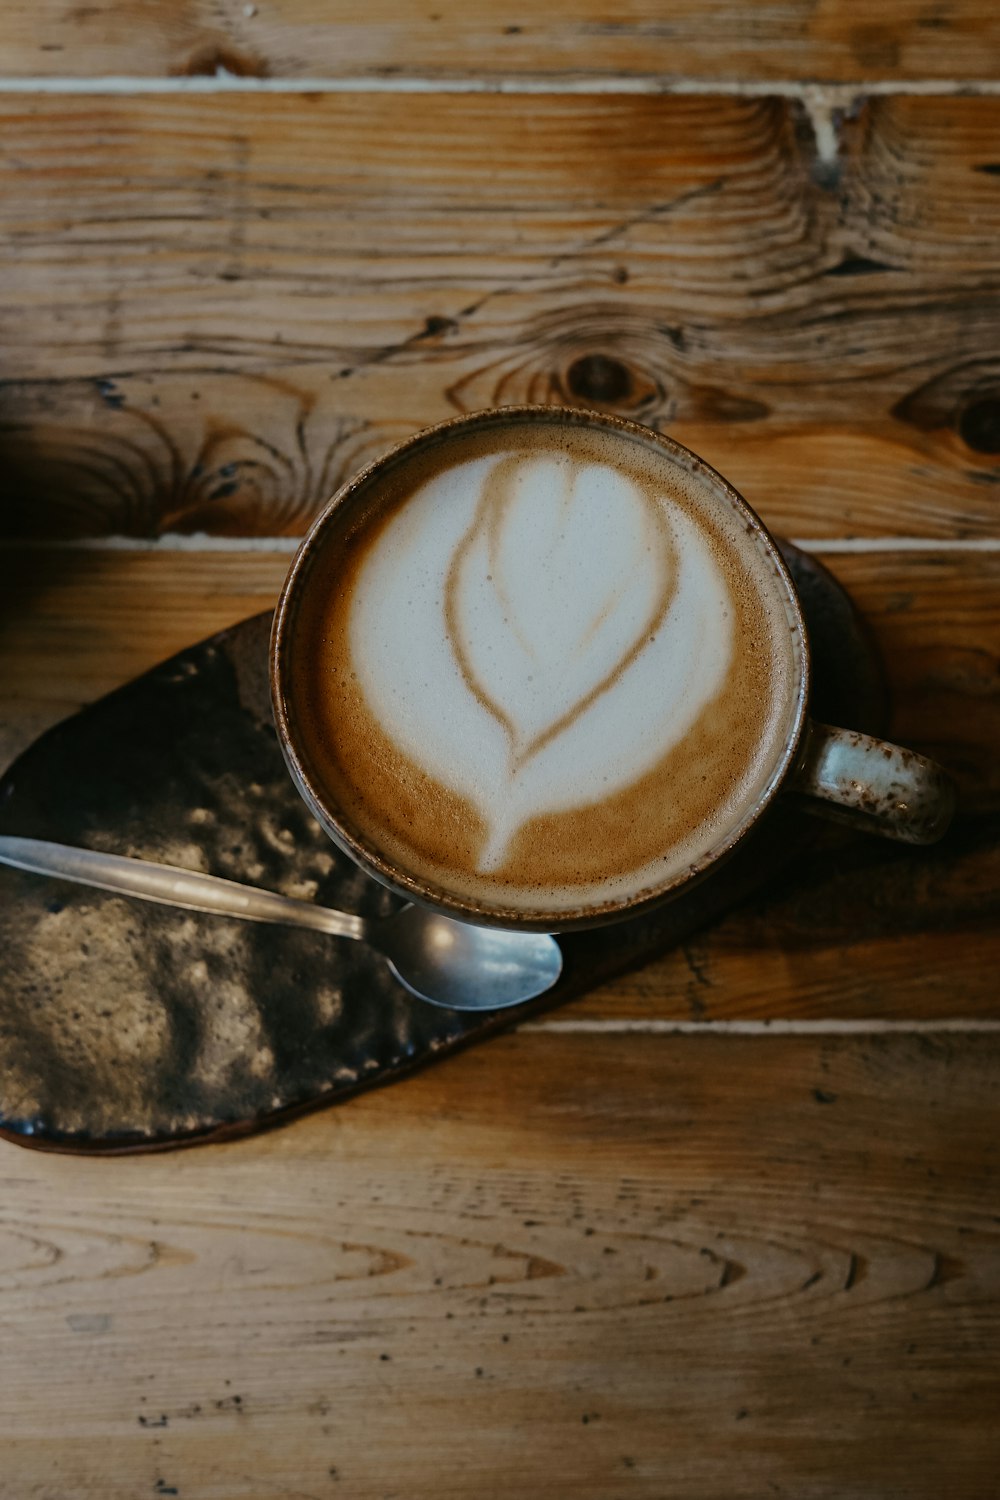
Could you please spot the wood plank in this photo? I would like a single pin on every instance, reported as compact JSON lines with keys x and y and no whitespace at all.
{"x":77,"y":623}
{"x":857,"y":931}
{"x":708,"y":39}
{"x":572,"y":1266}
{"x":214,"y":338}
{"x":860,"y":929}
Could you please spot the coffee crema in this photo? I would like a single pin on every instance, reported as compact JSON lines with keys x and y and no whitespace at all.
{"x":542,"y":665}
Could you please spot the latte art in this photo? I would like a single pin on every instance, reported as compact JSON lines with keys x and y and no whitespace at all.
{"x":541,"y":666}
{"x":537,"y":632}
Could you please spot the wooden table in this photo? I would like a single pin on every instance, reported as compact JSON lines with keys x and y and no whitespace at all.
{"x":731,"y":1225}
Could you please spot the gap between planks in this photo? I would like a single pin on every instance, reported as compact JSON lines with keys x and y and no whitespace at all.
{"x":202,"y":542}
{"x":829,"y":1027}
{"x":820,"y":95}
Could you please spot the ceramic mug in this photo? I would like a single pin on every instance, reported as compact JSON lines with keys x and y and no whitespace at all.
{"x":844,"y":774}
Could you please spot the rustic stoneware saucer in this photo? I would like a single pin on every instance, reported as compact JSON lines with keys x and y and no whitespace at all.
{"x":128,"y":1027}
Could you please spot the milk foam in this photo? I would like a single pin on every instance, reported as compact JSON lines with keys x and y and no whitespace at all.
{"x":535,"y":632}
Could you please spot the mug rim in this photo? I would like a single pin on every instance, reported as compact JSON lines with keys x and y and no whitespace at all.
{"x":364,"y":852}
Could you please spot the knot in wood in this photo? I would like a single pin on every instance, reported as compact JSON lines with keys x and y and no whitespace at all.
{"x":599,"y":377}
{"x":979,"y":425}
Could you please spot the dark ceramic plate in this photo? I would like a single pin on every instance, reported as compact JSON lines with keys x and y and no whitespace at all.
{"x":126,"y":1026}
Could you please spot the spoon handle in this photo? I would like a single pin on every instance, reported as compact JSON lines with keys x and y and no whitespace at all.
{"x":170,"y":886}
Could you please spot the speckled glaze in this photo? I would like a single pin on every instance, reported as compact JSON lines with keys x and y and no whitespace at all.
{"x":860,"y":779}
{"x":886,"y":789}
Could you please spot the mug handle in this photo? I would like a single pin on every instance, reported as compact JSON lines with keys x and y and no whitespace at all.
{"x":871,"y":784}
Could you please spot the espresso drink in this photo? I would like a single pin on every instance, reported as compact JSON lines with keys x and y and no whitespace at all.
{"x":543,"y":665}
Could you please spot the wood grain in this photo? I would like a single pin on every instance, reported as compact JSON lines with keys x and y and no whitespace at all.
{"x":862,"y":928}
{"x":708,"y":39}
{"x":572,"y":1266}
{"x":75,"y":624}
{"x":564,"y":1264}
{"x":214,"y":313}
{"x":857,"y":931}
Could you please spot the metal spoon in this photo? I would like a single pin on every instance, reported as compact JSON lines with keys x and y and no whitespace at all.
{"x":447,"y":963}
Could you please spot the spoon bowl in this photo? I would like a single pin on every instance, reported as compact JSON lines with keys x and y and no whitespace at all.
{"x":464,"y":967}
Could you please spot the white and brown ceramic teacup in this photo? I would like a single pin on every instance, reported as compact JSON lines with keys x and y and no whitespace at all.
{"x":544,"y":668}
